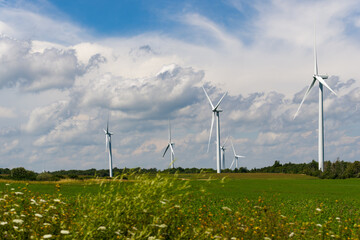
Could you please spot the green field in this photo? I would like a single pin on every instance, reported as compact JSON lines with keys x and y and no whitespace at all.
{"x":188,"y":206}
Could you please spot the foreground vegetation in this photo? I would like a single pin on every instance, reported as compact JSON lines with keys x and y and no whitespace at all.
{"x":187,"y":206}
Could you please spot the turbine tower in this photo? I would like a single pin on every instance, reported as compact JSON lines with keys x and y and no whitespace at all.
{"x":108,"y":147}
{"x":223,"y":154}
{"x":236,"y":157}
{"x":171,"y":146}
{"x":216,"y":112}
{"x":320,"y":79}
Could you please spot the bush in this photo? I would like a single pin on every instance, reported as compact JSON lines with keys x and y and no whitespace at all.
{"x":22,"y":174}
{"x":46,"y":177}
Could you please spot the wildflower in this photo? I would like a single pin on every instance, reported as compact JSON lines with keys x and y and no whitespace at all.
{"x":291,"y":234}
{"x":42,"y":201}
{"x":20,"y":221}
{"x":12,"y":210}
{"x":12,"y":189}
{"x":319,"y":225}
{"x":217,"y":237}
{"x":15,"y":227}
{"x":46,"y":224}
{"x":65,"y":232}
{"x":318,"y":209}
{"x":338,"y":219}
{"x":282,"y":216}
{"x":38,"y":215}
{"x":162,"y":226}
{"x":151,"y":238}
{"x":3,"y":223}
{"x":8,"y":184}
{"x":101,"y":228}
{"x":267,"y":238}
{"x":47,"y":236}
{"x":22,"y":215}
{"x":162,"y":202}
{"x":57,"y":200}
{"x":19,"y":193}
{"x":226,"y":209}
{"x":1,"y":199}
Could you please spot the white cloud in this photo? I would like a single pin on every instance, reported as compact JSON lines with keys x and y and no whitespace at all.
{"x":6,"y":113}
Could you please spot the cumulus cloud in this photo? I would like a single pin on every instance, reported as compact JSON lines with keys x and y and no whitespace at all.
{"x":52,"y":68}
{"x":172,"y":89}
{"x":6,"y":113}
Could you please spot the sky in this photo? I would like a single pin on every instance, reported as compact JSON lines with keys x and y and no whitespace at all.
{"x":68,"y":66}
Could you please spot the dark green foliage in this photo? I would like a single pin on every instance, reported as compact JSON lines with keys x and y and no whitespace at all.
{"x":22,"y":174}
{"x":45,"y":176}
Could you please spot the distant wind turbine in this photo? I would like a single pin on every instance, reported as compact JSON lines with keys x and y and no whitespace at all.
{"x":108,"y":146}
{"x":216,"y":112}
{"x":223,"y":153}
{"x":236,"y":157}
{"x":171,"y":146}
{"x":320,"y":79}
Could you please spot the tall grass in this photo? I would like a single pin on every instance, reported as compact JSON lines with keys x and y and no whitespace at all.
{"x":164,"y":207}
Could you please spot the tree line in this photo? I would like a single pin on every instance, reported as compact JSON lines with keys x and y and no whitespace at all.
{"x":332,"y":170}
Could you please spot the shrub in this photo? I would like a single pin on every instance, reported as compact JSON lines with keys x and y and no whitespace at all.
{"x":22,"y":174}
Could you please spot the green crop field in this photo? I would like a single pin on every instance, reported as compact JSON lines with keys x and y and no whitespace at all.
{"x":187,"y":206}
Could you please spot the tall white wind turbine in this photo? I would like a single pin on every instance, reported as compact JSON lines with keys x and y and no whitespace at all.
{"x":223,"y":154}
{"x":108,"y":147}
{"x":236,"y":157}
{"x":216,"y":112}
{"x":320,"y":79}
{"x":171,"y":146}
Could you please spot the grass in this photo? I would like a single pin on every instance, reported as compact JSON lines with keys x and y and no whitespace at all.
{"x":188,"y":206}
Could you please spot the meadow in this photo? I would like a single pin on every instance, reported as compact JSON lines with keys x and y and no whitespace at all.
{"x":187,"y":206}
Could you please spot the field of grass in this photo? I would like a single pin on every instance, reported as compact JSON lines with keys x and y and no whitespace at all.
{"x":187,"y":206}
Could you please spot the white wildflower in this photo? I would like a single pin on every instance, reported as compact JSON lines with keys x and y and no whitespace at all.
{"x":101,"y":228}
{"x":291,"y":234}
{"x":47,"y":236}
{"x":52,"y":207}
{"x":12,"y":189}
{"x":3,"y":223}
{"x":46,"y":224}
{"x":162,"y":226}
{"x":338,"y":219}
{"x":151,"y":238}
{"x":282,"y":216}
{"x":162,"y":202}
{"x":20,"y":221}
{"x":19,"y":193}
{"x":2,"y":199}
{"x":57,"y":200}
{"x":177,"y":206}
{"x":65,"y":232}
{"x":318,"y":209}
{"x":42,"y":201}
{"x":319,"y":225}
{"x":22,"y":215}
{"x":5,"y":196}
{"x":217,"y":237}
{"x":12,"y":210}
{"x":8,"y":184}
{"x":226,"y":209}
{"x":38,"y":215}
{"x":267,"y":238}
{"x":15,"y":227}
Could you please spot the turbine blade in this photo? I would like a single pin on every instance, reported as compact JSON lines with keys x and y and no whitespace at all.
{"x":104,"y":131}
{"x":106,"y":143}
{"x":233,"y":148}
{"x":232,"y":163}
{"x":306,"y":94}
{"x":324,"y":83}
{"x":212,"y":106}
{"x":239,"y":156}
{"x":217,"y":105}
{"x":167,"y":147}
{"x":172,"y":149}
{"x":169,"y":131}
{"x":211,"y":128}
{"x":315,"y":54}
{"x":225,"y":141}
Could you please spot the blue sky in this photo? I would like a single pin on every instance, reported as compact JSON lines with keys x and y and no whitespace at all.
{"x":67,"y":65}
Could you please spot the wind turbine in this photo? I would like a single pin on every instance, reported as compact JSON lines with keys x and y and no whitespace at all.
{"x":171,"y":146}
{"x":108,"y":146}
{"x":236,"y":157}
{"x":320,"y":79}
{"x":216,"y":112}
{"x":223,"y":153}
